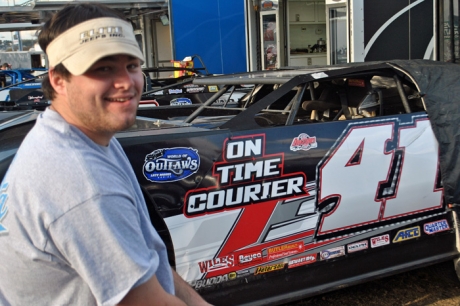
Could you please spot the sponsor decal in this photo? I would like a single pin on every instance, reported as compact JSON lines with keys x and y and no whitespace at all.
{"x":357,"y":246}
{"x":285,"y":250}
{"x":171,"y":164}
{"x":246,"y":176}
{"x":35,"y":98}
{"x":153,"y":102}
{"x":180,"y":101}
{"x":436,"y":227}
{"x":267,"y":5}
{"x":248,"y":258}
{"x":195,"y":89}
{"x":271,"y":268}
{"x":213,"y":88}
{"x":380,"y":240}
{"x":3,"y":207}
{"x":190,"y":86}
{"x":31,"y":84}
{"x":232,"y":275}
{"x":217,"y":264}
{"x":221,"y":101}
{"x":200,"y":283}
{"x":243,"y":272}
{"x":158,"y":93}
{"x":101,"y":32}
{"x":406,"y":234}
{"x":356,"y":82}
{"x":303,"y":142}
{"x":175,"y":91}
{"x":332,"y":253}
{"x":301,"y":261}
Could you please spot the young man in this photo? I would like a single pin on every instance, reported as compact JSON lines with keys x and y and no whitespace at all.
{"x":74,"y":227}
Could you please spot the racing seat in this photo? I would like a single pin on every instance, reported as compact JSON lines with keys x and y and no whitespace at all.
{"x":271,"y":119}
{"x":327,"y":104}
{"x":362,"y":99}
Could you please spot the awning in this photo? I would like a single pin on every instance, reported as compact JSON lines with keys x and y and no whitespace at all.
{"x":31,"y":14}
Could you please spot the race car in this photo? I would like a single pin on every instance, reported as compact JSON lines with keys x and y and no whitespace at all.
{"x":21,"y":89}
{"x":320,"y":178}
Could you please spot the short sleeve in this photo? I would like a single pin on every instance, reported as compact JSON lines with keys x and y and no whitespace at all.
{"x":101,"y":239}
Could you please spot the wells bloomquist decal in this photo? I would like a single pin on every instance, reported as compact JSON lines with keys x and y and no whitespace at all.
{"x":245,"y":176}
{"x":380,"y":240}
{"x":171,"y":164}
{"x":217,"y":264}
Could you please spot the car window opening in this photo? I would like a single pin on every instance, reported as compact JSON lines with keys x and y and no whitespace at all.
{"x":350,"y":98}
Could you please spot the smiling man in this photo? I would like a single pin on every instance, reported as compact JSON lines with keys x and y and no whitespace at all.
{"x":75,"y":229}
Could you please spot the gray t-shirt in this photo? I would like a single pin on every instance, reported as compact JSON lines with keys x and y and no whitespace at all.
{"x":74,"y":227}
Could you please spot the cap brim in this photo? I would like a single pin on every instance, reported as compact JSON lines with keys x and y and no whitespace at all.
{"x":79,"y":62}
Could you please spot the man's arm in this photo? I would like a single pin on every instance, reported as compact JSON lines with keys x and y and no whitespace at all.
{"x":152,"y":293}
{"x":187,"y":293}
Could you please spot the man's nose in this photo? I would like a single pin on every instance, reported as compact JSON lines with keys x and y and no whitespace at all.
{"x":123,"y":78}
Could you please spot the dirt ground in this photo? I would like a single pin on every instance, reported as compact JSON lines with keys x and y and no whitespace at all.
{"x":436,"y":285}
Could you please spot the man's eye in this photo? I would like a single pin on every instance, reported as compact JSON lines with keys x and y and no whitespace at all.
{"x":103,"y":68}
{"x":133,"y":66}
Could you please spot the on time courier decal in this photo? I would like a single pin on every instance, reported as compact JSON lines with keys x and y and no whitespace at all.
{"x":245,"y":176}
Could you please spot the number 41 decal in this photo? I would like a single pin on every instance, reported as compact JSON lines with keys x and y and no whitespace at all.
{"x":379,"y":172}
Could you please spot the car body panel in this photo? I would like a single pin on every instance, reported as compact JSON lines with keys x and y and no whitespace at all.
{"x":282,"y":192}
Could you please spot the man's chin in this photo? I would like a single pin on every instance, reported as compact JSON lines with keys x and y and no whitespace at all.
{"x":129,"y":122}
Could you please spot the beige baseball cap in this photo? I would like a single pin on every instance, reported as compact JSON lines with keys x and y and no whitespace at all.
{"x":81,"y":46}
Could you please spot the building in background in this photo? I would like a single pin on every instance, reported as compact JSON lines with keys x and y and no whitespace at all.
{"x":245,"y":35}
{"x":313,"y":32}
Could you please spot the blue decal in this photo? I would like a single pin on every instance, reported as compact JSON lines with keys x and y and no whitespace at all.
{"x":170,"y":165}
{"x":180,"y":101}
{"x":436,"y":227}
{"x":3,"y":207}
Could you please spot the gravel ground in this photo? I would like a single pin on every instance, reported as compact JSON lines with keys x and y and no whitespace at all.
{"x":436,"y":285}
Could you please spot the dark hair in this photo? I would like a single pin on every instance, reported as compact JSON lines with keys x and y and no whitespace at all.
{"x":68,"y":17}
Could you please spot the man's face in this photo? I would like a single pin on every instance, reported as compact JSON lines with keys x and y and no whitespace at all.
{"x":104,"y":99}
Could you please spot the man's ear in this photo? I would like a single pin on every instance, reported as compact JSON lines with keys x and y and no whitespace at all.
{"x":57,"y":81}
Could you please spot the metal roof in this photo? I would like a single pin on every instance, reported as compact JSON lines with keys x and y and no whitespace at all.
{"x":30,"y":14}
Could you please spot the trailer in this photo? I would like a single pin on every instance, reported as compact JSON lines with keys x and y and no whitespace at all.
{"x":316,"y":32}
{"x":24,"y":59}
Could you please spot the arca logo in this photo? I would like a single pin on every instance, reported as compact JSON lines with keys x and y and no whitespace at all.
{"x":408,"y":233}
